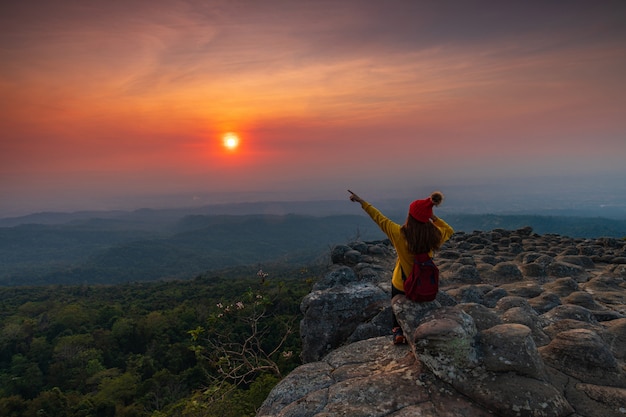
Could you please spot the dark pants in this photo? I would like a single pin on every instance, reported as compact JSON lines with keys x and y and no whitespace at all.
{"x":394,"y":292}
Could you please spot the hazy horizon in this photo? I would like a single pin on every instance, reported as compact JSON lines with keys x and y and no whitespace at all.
{"x":584,"y":195}
{"x":123,"y":105}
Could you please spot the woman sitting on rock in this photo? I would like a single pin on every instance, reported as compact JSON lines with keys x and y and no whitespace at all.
{"x":421,"y":233}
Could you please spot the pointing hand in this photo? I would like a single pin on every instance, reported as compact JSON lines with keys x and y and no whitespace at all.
{"x":354,"y":197}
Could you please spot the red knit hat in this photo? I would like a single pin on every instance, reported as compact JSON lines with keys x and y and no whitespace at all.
{"x":422,"y":210}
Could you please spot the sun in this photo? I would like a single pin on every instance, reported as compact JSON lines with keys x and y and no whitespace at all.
{"x":230,"y":141}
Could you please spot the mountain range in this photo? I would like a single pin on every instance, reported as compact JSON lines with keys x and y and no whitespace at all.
{"x":109,"y":247}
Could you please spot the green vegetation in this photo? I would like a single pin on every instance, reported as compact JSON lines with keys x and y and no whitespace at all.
{"x":150,"y":349}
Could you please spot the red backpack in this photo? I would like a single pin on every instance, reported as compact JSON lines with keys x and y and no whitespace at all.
{"x":422,"y":284}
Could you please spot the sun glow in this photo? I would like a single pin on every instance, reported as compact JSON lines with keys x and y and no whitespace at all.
{"x":230,"y":141}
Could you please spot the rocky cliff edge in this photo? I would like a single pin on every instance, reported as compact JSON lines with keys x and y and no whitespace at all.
{"x":524,"y":325}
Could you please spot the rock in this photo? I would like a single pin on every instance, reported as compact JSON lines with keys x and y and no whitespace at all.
{"x":410,"y":314}
{"x":339,"y":276}
{"x":492,"y":298}
{"x":301,"y":382}
{"x":599,"y":400}
{"x":562,"y":269}
{"x":467,"y":294}
{"x":533,"y":270}
{"x":484,"y":318}
{"x":508,"y":394}
{"x":331,"y":317}
{"x":544,"y":302}
{"x":564,"y":325}
{"x":360,"y":247}
{"x":510,"y":348}
{"x":508,"y":302}
{"x":448,"y":254}
{"x":466,"y":274}
{"x":582,"y":354}
{"x":616,"y":335}
{"x":507,"y":272}
{"x":609,"y":291}
{"x":568,"y":311}
{"x":528,"y":317}
{"x":618,"y":270}
{"x":378,"y":249}
{"x":353,"y":257}
{"x":562,"y":286}
{"x":582,"y":299}
{"x":444,"y":341}
{"x":367,"y":378}
{"x":544,"y":260}
{"x":529,"y":257}
{"x":525,"y":289}
{"x":490,"y":259}
{"x":580,"y":260}
{"x":375,"y":327}
{"x":338,"y":252}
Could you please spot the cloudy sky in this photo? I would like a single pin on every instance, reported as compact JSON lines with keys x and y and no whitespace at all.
{"x":108,"y":104}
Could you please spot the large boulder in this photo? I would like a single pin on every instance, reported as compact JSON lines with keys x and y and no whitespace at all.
{"x":332,"y":316}
{"x":367,"y":378}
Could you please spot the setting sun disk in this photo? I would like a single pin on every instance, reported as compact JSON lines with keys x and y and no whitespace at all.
{"x":230,"y":141}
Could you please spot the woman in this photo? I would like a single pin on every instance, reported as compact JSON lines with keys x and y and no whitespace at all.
{"x":422,"y":232}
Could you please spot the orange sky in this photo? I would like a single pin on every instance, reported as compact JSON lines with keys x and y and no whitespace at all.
{"x":106,"y":101}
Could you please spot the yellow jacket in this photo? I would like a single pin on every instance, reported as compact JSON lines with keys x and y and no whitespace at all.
{"x":393,"y":232}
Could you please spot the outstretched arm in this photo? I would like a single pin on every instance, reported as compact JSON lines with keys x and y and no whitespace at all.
{"x":387,"y":226}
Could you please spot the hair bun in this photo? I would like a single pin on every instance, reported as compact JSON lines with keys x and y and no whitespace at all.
{"x":436,"y":197}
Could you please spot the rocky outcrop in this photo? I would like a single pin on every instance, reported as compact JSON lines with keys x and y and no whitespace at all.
{"x":524,"y":325}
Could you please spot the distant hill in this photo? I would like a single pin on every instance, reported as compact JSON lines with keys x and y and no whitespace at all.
{"x":472,"y":203}
{"x":154,"y":217}
{"x":148,"y":245}
{"x":113,"y":251}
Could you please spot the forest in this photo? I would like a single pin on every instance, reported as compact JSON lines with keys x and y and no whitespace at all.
{"x":213,"y":345}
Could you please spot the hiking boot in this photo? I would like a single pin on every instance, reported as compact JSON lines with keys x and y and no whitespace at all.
{"x":398,"y":336}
